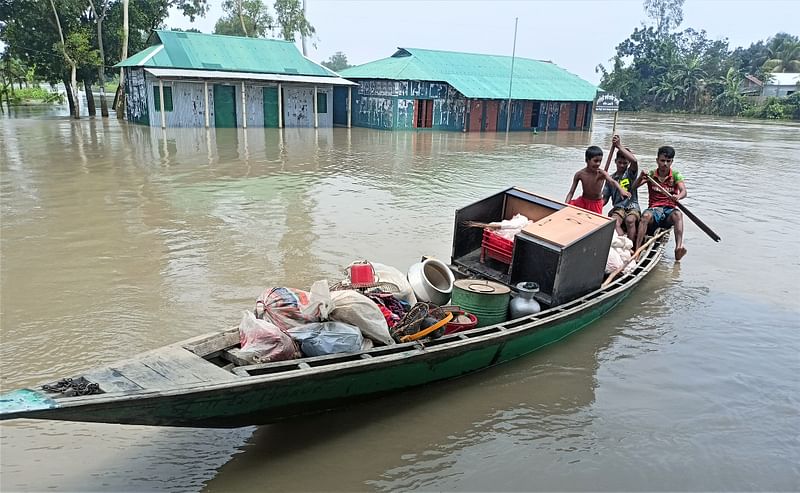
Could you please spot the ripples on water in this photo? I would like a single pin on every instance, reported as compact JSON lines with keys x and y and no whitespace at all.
{"x":118,"y":238}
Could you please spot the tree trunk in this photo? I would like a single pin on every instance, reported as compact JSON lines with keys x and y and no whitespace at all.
{"x":70,"y":101}
{"x":101,"y":75}
{"x":73,"y":68}
{"x":120,"y":107}
{"x":90,"y":107}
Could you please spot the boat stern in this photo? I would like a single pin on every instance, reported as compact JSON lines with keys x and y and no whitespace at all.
{"x":20,"y":403}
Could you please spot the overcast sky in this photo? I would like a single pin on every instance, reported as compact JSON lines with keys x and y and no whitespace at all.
{"x":575,"y":34}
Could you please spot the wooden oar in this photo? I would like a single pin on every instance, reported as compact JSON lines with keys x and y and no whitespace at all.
{"x":633,"y":257}
{"x":700,"y":224}
{"x":613,"y":132}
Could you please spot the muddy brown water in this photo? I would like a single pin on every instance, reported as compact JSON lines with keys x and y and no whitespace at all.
{"x":118,"y":238}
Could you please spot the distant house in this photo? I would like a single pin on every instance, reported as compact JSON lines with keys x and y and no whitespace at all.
{"x":416,"y":88}
{"x":186,"y":79}
{"x":751,"y":86}
{"x":781,"y":84}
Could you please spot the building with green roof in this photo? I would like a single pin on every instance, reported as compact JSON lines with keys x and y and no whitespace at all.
{"x":469,"y":92}
{"x":186,"y":79}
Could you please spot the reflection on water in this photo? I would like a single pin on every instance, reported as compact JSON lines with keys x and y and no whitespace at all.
{"x":116,"y":238}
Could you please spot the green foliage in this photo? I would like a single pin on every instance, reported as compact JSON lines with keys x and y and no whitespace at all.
{"x":337,"y":62}
{"x":244,"y":18}
{"x":783,"y":51}
{"x":252,"y":18}
{"x":28,"y":30}
{"x":667,"y":14}
{"x":292,"y":20}
{"x":35,"y":94}
{"x":659,"y":70}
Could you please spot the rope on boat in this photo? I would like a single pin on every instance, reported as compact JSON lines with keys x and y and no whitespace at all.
{"x":71,"y":387}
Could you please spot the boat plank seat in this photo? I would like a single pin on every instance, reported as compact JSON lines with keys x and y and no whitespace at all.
{"x":170,"y":366}
{"x":111,"y":380}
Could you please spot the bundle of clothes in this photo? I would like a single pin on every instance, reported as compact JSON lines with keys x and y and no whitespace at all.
{"x":289,"y":323}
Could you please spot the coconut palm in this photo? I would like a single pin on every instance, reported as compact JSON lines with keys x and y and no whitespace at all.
{"x":784,"y":54}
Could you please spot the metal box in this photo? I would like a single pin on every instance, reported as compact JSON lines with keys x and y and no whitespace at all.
{"x":565,"y":253}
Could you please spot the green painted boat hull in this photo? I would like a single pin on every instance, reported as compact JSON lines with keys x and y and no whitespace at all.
{"x":271,"y":396}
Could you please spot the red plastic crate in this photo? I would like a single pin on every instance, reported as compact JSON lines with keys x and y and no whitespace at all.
{"x":496,"y":247}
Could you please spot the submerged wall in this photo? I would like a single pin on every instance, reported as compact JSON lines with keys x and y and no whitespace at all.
{"x":399,"y":105}
{"x":185,"y":103}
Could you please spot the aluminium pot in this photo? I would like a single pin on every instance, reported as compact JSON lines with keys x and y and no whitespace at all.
{"x":432,"y":281}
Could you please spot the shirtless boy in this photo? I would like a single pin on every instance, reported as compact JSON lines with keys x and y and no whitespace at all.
{"x":662,"y":211}
{"x":592,"y":179}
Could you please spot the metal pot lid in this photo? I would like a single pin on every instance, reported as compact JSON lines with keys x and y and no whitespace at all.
{"x":482,"y":286}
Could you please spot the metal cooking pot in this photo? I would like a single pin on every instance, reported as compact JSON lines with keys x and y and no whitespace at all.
{"x":431,"y":281}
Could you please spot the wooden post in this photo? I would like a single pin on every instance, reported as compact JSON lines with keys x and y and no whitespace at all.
{"x":466,"y":115}
{"x":161,"y":98}
{"x":244,"y":107}
{"x":349,"y":106}
{"x":205,"y":95}
{"x":316,"y":109}
{"x":280,"y":106}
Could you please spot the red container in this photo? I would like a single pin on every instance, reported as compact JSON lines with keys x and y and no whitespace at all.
{"x":453,"y":327}
{"x":496,"y":247}
{"x":362,"y":275}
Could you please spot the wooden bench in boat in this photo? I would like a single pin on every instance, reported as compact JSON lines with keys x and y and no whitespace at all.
{"x":163,"y":368}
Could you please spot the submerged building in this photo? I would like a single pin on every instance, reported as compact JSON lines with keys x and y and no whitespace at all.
{"x":416,"y":88}
{"x":186,"y":79}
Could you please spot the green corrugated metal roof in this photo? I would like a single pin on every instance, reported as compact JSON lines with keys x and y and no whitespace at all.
{"x":227,"y":53}
{"x":479,"y":76}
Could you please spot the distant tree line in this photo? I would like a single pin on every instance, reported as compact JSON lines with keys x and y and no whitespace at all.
{"x":658,"y":69}
{"x":67,"y":41}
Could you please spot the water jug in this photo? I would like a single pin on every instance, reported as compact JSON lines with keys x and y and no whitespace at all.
{"x":523,"y":303}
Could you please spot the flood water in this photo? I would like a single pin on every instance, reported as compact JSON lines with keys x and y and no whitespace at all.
{"x":118,"y":238}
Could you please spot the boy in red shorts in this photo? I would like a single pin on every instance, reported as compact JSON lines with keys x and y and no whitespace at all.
{"x":592,"y":179}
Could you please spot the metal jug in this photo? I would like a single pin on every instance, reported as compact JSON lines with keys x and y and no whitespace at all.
{"x":523,"y":303}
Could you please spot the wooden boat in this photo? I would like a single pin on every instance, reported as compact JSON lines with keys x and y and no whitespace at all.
{"x":201,"y":382}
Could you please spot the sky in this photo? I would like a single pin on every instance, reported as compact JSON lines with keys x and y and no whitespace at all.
{"x":575,"y":34}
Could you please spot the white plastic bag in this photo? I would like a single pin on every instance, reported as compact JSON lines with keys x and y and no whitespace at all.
{"x":508,"y":228}
{"x":322,"y":338}
{"x":354,"y":308}
{"x":262,"y":341}
{"x":613,"y":262}
{"x":387,"y":273}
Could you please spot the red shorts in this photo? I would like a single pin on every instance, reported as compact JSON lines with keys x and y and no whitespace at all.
{"x":589,"y":205}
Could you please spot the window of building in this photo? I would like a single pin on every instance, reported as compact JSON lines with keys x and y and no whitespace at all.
{"x":322,"y":102}
{"x":167,"y":98}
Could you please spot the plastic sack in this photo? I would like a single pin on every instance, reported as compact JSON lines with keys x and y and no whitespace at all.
{"x":387,"y":273}
{"x":613,"y":262}
{"x":262,"y":341}
{"x":322,"y":338}
{"x":354,"y":308}
{"x":508,"y":228}
{"x":289,"y":307}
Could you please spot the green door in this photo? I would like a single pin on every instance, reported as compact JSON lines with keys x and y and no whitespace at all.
{"x":224,"y":106}
{"x":270,"y":107}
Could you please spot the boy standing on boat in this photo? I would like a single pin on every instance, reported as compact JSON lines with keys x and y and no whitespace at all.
{"x":625,"y":211}
{"x":661,"y":210}
{"x":592,"y":179}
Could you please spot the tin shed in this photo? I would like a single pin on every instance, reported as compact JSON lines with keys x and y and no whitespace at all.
{"x":416,"y":88}
{"x":186,"y":79}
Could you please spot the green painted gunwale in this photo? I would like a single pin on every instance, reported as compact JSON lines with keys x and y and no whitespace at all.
{"x":267,"y":398}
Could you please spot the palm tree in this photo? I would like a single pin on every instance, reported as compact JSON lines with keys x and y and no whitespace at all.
{"x":730,"y":101}
{"x":784,"y":54}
